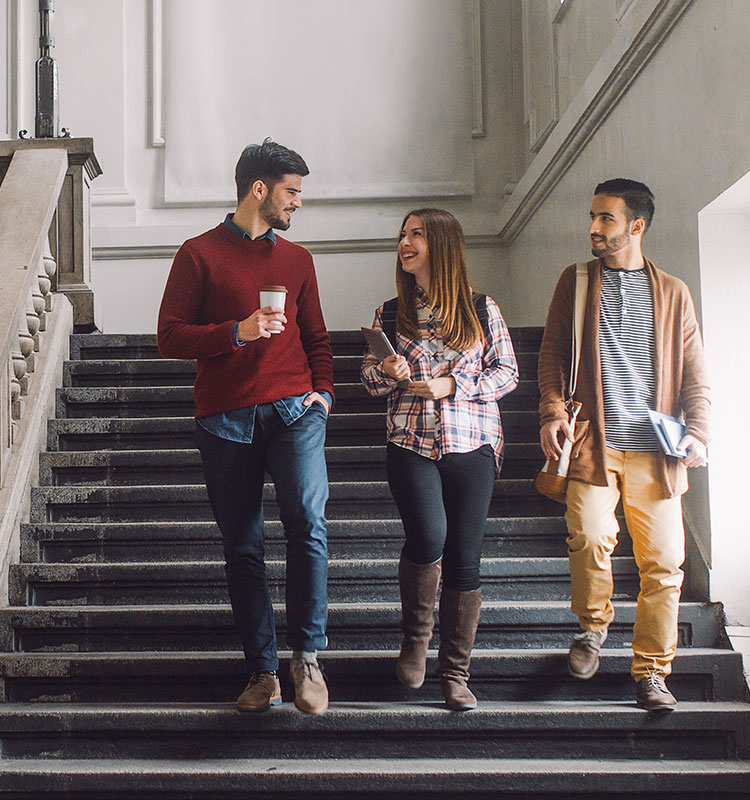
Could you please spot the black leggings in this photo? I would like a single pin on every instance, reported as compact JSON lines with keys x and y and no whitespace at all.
{"x":443,"y":506}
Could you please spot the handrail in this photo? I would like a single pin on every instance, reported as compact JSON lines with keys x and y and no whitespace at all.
{"x":28,"y":198}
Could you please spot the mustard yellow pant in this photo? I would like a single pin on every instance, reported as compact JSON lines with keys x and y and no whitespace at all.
{"x":655,"y":526}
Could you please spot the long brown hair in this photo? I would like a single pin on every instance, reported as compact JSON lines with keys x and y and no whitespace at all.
{"x":450,"y":293}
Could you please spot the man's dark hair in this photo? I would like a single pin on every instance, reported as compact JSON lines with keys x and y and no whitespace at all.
{"x":639,"y":200}
{"x":266,"y":162}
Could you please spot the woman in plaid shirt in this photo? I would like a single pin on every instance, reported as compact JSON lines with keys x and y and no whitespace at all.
{"x":445,"y":441}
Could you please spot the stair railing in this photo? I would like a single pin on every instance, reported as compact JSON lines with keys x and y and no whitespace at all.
{"x":32,"y":339}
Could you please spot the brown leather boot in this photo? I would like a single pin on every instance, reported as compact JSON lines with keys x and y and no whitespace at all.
{"x":459,"y":617}
{"x":418,"y":584}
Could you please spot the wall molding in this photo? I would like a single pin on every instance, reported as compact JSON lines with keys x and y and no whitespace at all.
{"x":112,"y":197}
{"x":329,"y":246}
{"x":477,"y":71}
{"x":156,"y":74}
{"x":540,"y":106}
{"x":641,"y":33}
{"x":12,"y":67}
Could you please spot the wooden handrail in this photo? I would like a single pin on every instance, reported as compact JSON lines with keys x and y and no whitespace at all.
{"x":28,"y":199}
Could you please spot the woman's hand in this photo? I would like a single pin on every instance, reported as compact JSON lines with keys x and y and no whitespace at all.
{"x":396,"y":367}
{"x":435,"y":388}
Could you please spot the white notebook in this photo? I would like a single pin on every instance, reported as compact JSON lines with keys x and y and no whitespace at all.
{"x":669,"y":432}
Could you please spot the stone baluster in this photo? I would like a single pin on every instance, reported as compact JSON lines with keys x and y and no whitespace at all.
{"x":18,"y":383}
{"x":38,"y":304}
{"x":48,"y":268}
{"x":33,"y":325}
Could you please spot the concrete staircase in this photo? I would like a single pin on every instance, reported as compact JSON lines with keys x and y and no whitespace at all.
{"x":120,"y":664}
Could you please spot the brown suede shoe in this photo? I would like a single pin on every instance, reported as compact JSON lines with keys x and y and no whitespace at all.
{"x":262,"y":691}
{"x":653,"y":695}
{"x":583,"y":657}
{"x":310,"y":690}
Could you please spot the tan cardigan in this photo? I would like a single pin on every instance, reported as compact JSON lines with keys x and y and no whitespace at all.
{"x":681,"y":380}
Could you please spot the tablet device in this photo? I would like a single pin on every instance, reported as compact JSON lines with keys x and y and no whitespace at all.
{"x":378,"y":343}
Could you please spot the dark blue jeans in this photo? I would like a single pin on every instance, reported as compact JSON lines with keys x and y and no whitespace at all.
{"x":295,"y":459}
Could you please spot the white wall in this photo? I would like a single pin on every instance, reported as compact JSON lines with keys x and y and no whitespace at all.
{"x":725,"y":269}
{"x":109,"y":55}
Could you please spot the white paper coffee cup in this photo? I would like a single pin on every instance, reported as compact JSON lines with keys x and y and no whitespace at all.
{"x":274,"y":296}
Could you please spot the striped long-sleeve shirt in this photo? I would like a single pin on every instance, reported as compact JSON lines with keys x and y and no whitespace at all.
{"x":467,"y":419}
{"x":626,"y":346}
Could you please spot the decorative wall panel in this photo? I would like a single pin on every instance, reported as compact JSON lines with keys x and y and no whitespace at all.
{"x":378,"y":98}
{"x":539,"y":80}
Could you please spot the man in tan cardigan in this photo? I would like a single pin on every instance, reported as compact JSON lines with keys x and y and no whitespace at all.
{"x":641,"y":350}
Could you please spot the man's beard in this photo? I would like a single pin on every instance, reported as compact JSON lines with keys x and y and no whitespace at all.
{"x":606,"y":247}
{"x":270,"y":215}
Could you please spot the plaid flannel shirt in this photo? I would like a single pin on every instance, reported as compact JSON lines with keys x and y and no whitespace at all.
{"x":467,"y":419}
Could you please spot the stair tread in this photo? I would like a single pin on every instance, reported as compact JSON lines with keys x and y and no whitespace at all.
{"x":376,"y":767}
{"x":624,"y":605}
{"x":479,"y":656}
{"x":511,"y":562}
{"x":176,"y":454}
{"x":599,"y":713}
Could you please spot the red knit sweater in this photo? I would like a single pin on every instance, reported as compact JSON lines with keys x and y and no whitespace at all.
{"x":215,"y":281}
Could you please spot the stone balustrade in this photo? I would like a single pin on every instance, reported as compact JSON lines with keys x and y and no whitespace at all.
{"x":44,"y":209}
{"x":28,"y":199}
{"x":35,"y":325}
{"x":39,"y":304}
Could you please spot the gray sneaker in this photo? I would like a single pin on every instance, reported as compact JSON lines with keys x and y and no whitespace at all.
{"x":653,"y":695}
{"x":583,"y":656}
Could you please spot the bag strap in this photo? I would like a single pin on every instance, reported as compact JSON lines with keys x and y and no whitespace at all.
{"x":582,"y":286}
{"x":388,"y":320}
{"x":390,"y":307}
{"x":480,"y":304}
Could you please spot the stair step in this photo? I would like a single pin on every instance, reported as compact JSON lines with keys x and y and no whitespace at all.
{"x":171,"y":372}
{"x":108,"y":346}
{"x":54,"y":542}
{"x":351,"y":626}
{"x":371,"y":778}
{"x":86,"y":346}
{"x":135,"y":402}
{"x":699,"y":674}
{"x":351,"y":580}
{"x":166,"y":401}
{"x":347,"y":499}
{"x":166,"y":372}
{"x":165,"y":433}
{"x":179,"y":432}
{"x":561,"y":729}
{"x":128,"y":372}
{"x":155,"y":467}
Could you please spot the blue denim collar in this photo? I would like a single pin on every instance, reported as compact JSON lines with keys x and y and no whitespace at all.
{"x":230,"y":225}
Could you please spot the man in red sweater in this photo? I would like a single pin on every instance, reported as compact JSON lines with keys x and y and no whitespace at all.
{"x":263,"y":391}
